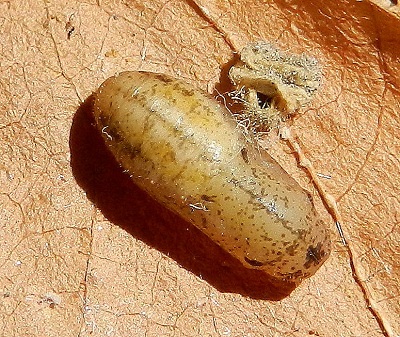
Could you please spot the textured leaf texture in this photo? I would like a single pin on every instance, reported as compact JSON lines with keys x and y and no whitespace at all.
{"x":84,"y":252}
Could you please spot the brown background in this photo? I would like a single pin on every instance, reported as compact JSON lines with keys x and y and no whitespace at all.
{"x":85,"y":253}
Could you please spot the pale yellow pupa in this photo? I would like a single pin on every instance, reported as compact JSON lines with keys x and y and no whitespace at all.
{"x":186,"y":151}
